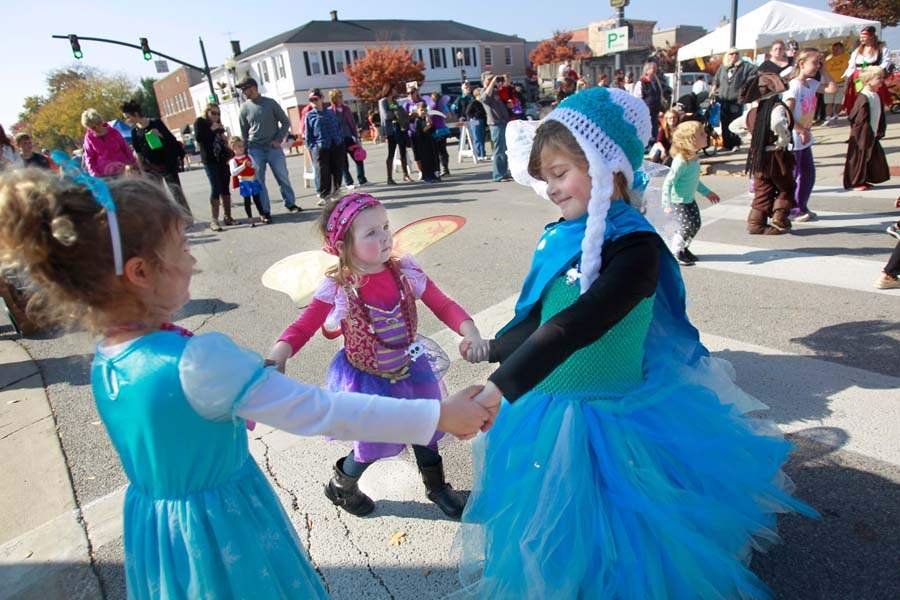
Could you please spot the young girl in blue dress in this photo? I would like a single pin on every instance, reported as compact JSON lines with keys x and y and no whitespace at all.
{"x":622,"y":463}
{"x":201,"y":521}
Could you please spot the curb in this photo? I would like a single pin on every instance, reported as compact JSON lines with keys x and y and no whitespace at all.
{"x":44,"y":551}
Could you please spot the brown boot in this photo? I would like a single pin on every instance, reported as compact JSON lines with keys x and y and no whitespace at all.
{"x":780,"y":220}
{"x":756,"y":222}
{"x":226,"y":208}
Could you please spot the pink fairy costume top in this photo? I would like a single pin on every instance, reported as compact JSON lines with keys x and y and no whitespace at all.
{"x":377,"y":318}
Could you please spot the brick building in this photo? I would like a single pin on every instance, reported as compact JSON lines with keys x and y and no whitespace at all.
{"x":173,"y":96}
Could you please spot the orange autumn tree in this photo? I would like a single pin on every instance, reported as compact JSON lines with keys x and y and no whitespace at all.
{"x":381,"y":65}
{"x":556,"y":49}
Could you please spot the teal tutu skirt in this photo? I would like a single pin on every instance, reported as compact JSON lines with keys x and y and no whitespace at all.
{"x":661,"y":491}
{"x":231,"y":541}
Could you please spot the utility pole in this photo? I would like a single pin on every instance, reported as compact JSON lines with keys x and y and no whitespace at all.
{"x":619,"y":5}
{"x":734,"y":17}
{"x":144,"y":47}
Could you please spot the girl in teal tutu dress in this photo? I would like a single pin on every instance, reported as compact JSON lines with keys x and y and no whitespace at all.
{"x":622,"y":462}
{"x":201,"y":521}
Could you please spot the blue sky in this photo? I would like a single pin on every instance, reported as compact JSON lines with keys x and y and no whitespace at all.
{"x":173,"y":27}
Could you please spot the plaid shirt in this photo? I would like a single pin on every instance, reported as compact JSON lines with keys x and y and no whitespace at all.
{"x":323,"y":129}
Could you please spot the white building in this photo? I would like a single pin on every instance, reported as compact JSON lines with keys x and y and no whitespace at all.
{"x":314,"y":55}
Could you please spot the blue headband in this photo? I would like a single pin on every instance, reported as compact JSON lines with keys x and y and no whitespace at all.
{"x":70,"y":169}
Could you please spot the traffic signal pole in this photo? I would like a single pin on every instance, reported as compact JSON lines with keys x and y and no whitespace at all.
{"x":145,"y":49}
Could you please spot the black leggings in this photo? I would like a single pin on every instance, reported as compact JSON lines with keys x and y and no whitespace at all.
{"x":425,"y":457}
{"x":440,"y":146}
{"x":893,"y":265}
{"x":395,"y":140}
{"x":256,"y":202}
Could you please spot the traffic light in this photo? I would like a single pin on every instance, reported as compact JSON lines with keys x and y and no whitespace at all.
{"x":145,"y":48}
{"x":76,"y":46}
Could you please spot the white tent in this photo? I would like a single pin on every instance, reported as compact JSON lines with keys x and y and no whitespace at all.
{"x":777,"y":20}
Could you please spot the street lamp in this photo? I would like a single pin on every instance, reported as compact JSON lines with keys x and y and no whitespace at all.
{"x":459,"y":61}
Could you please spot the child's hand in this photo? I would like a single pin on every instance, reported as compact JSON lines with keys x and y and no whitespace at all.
{"x":462,"y":417}
{"x":279,"y":355}
{"x":474,"y":349}
{"x":713,"y":197}
{"x":489,"y":397}
{"x":804,"y":136}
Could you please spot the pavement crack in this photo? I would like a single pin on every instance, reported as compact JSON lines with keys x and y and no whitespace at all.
{"x":26,"y":426}
{"x":364,"y":554}
{"x":212,"y":315}
{"x":295,"y":507}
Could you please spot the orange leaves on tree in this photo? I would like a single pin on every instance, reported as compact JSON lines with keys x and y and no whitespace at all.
{"x":381,"y":65}
{"x":885,"y":11}
{"x":556,"y":49}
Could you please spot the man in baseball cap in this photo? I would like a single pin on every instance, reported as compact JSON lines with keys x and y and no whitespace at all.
{"x":264,"y":126}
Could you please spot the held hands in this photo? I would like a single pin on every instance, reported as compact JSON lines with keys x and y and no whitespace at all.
{"x":804,"y":136}
{"x":489,"y":397}
{"x":713,"y":197}
{"x":279,"y":355}
{"x":462,"y":417}
{"x":473,"y":348}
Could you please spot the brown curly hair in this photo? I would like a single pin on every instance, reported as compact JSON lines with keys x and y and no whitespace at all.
{"x":56,"y":234}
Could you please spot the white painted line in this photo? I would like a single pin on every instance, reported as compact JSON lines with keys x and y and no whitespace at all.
{"x":877,"y":192}
{"x":829,"y":219}
{"x":833,"y":404}
{"x":832,"y":271}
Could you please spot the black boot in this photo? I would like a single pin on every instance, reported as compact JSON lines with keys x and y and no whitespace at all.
{"x":344,"y":492}
{"x":440,"y":492}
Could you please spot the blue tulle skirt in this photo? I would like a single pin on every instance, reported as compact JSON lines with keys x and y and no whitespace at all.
{"x":661,"y":491}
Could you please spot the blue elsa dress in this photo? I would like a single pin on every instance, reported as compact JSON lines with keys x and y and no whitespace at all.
{"x":632,"y":471}
{"x":200,"y":518}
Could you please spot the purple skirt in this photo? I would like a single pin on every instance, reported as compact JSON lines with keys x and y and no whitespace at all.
{"x":421,"y":383}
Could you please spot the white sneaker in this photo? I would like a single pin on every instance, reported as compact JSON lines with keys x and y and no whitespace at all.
{"x":321,"y":202}
{"x":803,"y":217}
{"x":350,"y":187}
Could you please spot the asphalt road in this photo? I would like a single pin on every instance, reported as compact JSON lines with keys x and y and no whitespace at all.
{"x":813,"y":342}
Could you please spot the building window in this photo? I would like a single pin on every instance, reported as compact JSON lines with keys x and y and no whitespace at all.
{"x":315,"y":67}
{"x":339,"y":63}
{"x":331,"y":61}
{"x":438,"y":58}
{"x":421,"y":56}
{"x":488,"y":59}
{"x":507,"y":55}
{"x":324,"y":56}
{"x":279,"y":67}
{"x":264,"y":70}
{"x":355,"y":55}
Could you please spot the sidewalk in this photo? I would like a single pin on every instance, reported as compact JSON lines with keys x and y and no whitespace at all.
{"x":43,"y":549}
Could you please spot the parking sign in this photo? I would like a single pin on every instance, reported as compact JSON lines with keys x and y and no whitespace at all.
{"x":616,"y":39}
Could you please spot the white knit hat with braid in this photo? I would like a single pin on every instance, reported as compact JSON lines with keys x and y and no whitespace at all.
{"x":612,"y":128}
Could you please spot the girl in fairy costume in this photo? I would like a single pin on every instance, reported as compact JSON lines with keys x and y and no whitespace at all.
{"x":622,"y":463}
{"x":370,"y":296}
{"x":200,"y":518}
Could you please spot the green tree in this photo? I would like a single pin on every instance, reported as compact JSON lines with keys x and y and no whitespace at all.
{"x":885,"y":11}
{"x":57,"y":123}
{"x":30,"y":106}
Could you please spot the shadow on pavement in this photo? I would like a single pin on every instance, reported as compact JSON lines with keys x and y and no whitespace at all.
{"x":860,"y":344}
{"x":204,"y":306}
{"x":760,"y":374}
{"x":853,"y":551}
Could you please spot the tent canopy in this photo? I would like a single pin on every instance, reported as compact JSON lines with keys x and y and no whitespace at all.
{"x":777,"y":20}
{"x":122,"y":127}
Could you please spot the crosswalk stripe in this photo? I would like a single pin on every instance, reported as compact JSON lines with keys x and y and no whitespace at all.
{"x":829,"y":219}
{"x":878,"y":192}
{"x":833,"y":271}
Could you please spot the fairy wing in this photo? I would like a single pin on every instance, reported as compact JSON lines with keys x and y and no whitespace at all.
{"x":418,"y":235}
{"x":299,"y":275}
